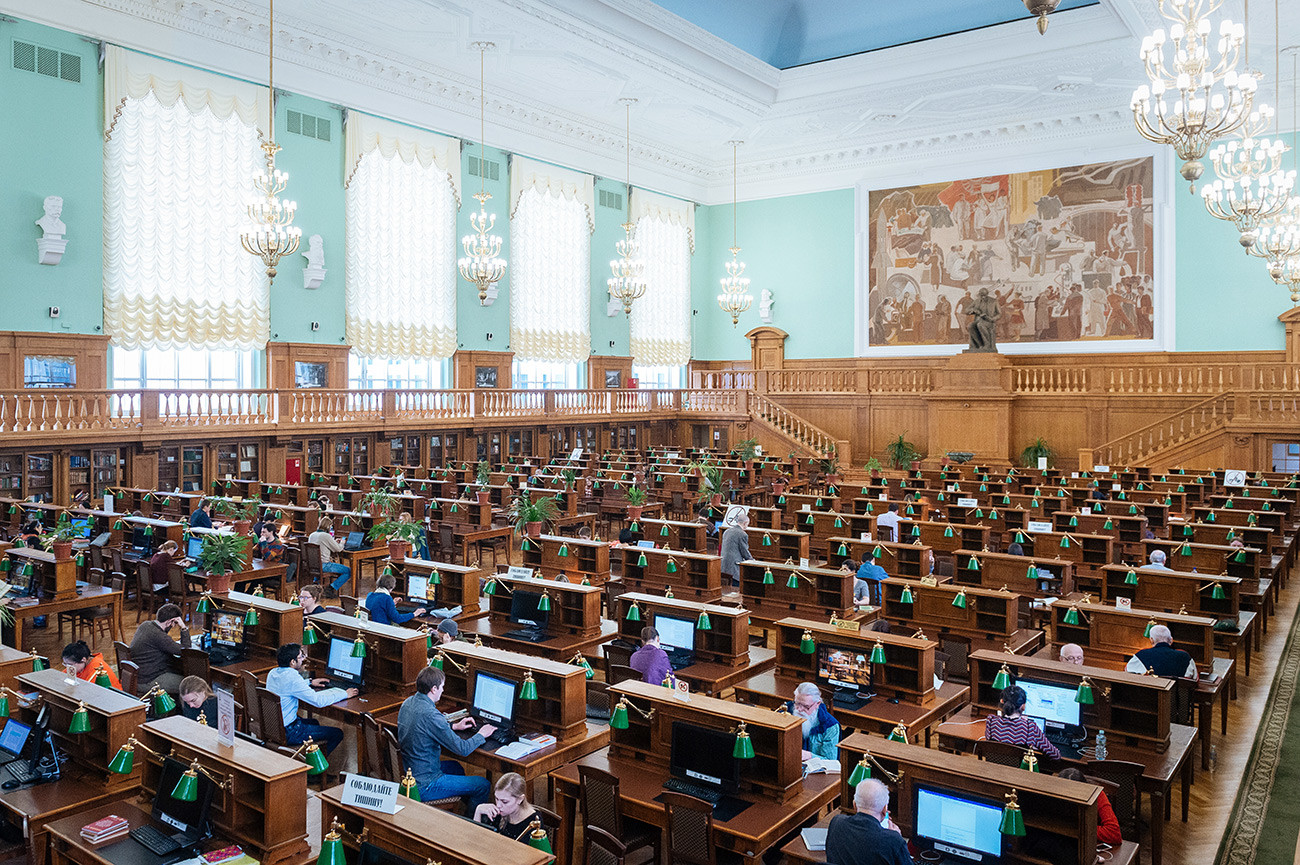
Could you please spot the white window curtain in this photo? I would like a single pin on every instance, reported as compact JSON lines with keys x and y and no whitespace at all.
{"x":551,"y":223}
{"x":403,"y":190}
{"x":660,"y":323}
{"x":180,"y":152}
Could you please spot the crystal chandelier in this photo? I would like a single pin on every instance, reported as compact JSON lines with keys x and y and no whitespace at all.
{"x":272,"y":234}
{"x":482,"y":264}
{"x":735,"y":297}
{"x":627,"y":284}
{"x":1251,"y":186}
{"x":1212,"y":99}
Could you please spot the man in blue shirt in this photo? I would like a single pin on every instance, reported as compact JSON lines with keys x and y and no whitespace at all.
{"x":291,"y":685}
{"x":870,"y":574}
{"x":422,"y":733}
{"x":380,"y":603}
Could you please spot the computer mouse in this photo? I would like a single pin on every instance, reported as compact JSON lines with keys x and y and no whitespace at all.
{"x":9,"y":785}
{"x":894,"y":700}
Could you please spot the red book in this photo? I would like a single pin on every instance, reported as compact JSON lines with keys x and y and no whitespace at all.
{"x":104,"y":826}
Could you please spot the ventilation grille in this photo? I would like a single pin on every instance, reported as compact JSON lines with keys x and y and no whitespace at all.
{"x":47,"y":61}
{"x":309,"y":125}
{"x":612,"y":200}
{"x":493,"y":168}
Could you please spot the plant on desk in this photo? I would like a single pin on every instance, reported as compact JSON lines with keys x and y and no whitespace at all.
{"x":636,"y":499}
{"x":747,"y":450}
{"x":830,"y":466}
{"x":483,"y":474}
{"x":242,"y":511}
{"x":59,"y":541}
{"x":901,"y":453}
{"x":221,"y":555}
{"x":401,"y":537}
{"x":381,"y":504}
{"x":1036,"y":450}
{"x":711,"y":475}
{"x":529,"y":515}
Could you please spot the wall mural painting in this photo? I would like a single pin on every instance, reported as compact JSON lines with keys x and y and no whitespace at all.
{"x":1065,"y":252}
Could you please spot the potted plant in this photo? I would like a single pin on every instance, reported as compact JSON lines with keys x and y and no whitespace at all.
{"x":901,"y":452}
{"x":830,"y":466}
{"x":59,"y":541}
{"x":381,"y":504}
{"x":402,"y":537}
{"x":242,"y":511}
{"x":779,"y":484}
{"x":873,"y":466}
{"x":221,"y":555}
{"x":1037,"y":449}
{"x":636,"y":498}
{"x":529,"y":515}
{"x":747,"y":450}
{"x":570,"y":479}
{"x":483,"y":474}
{"x":711,"y":475}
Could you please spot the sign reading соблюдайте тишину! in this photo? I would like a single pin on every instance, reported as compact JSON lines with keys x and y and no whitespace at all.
{"x":374,"y":794}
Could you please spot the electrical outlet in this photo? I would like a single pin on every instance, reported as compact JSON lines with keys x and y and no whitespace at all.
{"x":489,"y":336}
{"x":54,"y":312}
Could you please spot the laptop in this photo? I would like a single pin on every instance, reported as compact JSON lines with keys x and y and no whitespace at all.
{"x":355,"y":541}
{"x":13,"y":739}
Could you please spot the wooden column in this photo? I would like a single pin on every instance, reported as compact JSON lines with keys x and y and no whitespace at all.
{"x":970,"y":409}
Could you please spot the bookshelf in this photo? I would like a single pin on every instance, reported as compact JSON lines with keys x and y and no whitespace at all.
{"x":944,"y":537}
{"x":898,"y":560}
{"x":394,"y":655}
{"x":458,"y":586}
{"x":691,"y":537}
{"x":987,"y":614}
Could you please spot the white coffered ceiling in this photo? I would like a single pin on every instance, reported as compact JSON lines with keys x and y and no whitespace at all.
{"x":562,"y":65}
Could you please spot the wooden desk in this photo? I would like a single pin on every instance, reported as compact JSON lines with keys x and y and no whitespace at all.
{"x":355,"y":559}
{"x":750,"y":834}
{"x":89,"y":597}
{"x":467,"y":536}
{"x":67,"y":847}
{"x":35,"y":807}
{"x":558,"y":648}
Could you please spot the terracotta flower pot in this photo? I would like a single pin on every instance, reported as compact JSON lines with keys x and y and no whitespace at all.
{"x":717,"y":500}
{"x":484,"y":497}
{"x":62,"y":550}
{"x":533,"y":530}
{"x":397,"y":550}
{"x":833,"y":479}
{"x":778,"y":487}
{"x":219,"y":584}
{"x":243,"y":527}
{"x":634,"y":512}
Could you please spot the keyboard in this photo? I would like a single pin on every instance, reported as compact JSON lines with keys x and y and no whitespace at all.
{"x":680,"y":660}
{"x":155,"y":840}
{"x":501,"y":736}
{"x":530,"y":634}
{"x":20,"y":771}
{"x":708,"y":794}
{"x":219,"y":658}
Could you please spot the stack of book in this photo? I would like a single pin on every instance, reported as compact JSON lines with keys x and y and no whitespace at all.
{"x":106,"y":829}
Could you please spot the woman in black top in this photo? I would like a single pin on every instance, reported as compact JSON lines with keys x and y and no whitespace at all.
{"x":510,"y":813}
{"x":197,"y":699}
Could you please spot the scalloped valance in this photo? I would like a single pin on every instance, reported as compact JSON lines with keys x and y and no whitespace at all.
{"x":673,"y":211}
{"x":555,"y":181}
{"x":364,"y":133}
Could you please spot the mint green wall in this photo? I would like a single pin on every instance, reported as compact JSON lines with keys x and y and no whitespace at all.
{"x":799,"y":247}
{"x":52,"y":141}
{"x":609,"y":231}
{"x":473,"y":321}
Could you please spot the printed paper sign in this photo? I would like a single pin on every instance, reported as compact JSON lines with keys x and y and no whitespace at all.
{"x":370,"y":793}
{"x":1234,"y":478}
{"x":968,"y":503}
{"x":225,"y":717}
{"x":733,"y":515}
{"x":1039,"y":526}
{"x":1123,"y":603}
{"x":575,"y":454}
{"x":518,"y":572}
{"x":1042,"y":464}
{"x":1101,"y":468}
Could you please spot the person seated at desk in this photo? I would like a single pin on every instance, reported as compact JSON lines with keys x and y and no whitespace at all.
{"x":198,"y":700}
{"x":160,"y":563}
{"x":419,"y":550}
{"x":584,"y":532}
{"x":734,"y":549}
{"x":383,"y":611}
{"x":310,"y":597}
{"x":269,"y":549}
{"x":155,"y":653}
{"x":422,"y":733}
{"x":1071,"y":653}
{"x":1107,"y":823}
{"x":1162,"y":657}
{"x":888,"y":520}
{"x":31,"y":533}
{"x":1014,"y":549}
{"x":290,"y":684}
{"x":1157,"y":561}
{"x":510,"y":813}
{"x":263,"y":520}
{"x":1011,"y":727}
{"x":202,"y":516}
{"x":651,"y":661}
{"x":867,"y":837}
{"x":821,"y":732}
{"x":870,"y":575}
{"x":324,"y":538}
{"x":446,"y":632}
{"x":82,"y":663}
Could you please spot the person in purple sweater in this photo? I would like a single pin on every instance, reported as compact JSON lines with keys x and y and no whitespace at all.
{"x":380,"y":604}
{"x":651,"y":661}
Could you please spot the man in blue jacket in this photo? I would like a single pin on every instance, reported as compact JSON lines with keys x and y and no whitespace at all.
{"x":821,"y":732}
{"x":380,"y":603}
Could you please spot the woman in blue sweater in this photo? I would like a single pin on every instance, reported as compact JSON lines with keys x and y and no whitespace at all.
{"x":380,"y":604}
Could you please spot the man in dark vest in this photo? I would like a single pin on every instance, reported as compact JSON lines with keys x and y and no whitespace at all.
{"x":1163,"y":658}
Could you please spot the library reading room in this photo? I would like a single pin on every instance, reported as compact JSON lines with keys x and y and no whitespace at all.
{"x":815,"y":432}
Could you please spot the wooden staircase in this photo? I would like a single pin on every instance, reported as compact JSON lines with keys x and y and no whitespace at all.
{"x":800,"y":436}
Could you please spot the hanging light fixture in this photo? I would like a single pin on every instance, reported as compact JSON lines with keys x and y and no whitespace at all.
{"x":735,"y":297}
{"x":1042,"y":8}
{"x":627,"y":284}
{"x":1212,"y":98}
{"x":482,"y":264}
{"x":272,"y":234}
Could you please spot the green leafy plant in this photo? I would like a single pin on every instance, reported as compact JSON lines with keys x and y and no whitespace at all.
{"x":396,"y":530}
{"x":748,"y":449}
{"x":636,"y":497}
{"x":483,"y":473}
{"x":1037,"y":448}
{"x":570,"y":478}
{"x":901,"y":452}
{"x":873,"y":465}
{"x":223,"y":552}
{"x":526,"y":510}
{"x":238,"y":509}
{"x":62,"y":533}
{"x":381,"y":503}
{"x":829,"y":463}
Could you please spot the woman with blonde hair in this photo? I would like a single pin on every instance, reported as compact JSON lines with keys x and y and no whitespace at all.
{"x":510,"y":813}
{"x":197,"y":699}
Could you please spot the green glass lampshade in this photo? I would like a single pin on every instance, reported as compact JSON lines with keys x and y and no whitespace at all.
{"x":767,"y":539}
{"x":586,"y":666}
{"x":916,"y":531}
{"x":793,"y":581}
{"x":634,"y":527}
{"x":1065,"y":541}
{"x":1084,"y":694}
{"x":250,"y":618}
{"x":898,"y":734}
{"x":819,"y":502}
{"x":781,"y":500}
{"x":634,"y":612}
{"x":388,"y":570}
{"x":704,"y":623}
{"x":973,"y":564}
{"x":40,"y":662}
{"x":1031,"y":572}
{"x":663,"y":533}
{"x":979,"y":514}
{"x":809,"y":519}
{"x":843,"y":550}
{"x":359,"y":647}
{"x":316,"y":760}
{"x":1013,"y":822}
{"x":1151,"y":623}
{"x":947,"y":532}
{"x":1210,"y":517}
{"x":1228,"y":503}
{"x":744,"y":747}
{"x":538,"y":839}
{"x":906,"y":596}
{"x":544,"y":602}
{"x":4,"y":705}
{"x":878,"y":653}
{"x":877,"y":552}
{"x":1239,"y":556}
{"x":564,"y":551}
{"x":1252,"y":520}
{"x":1131,"y":578}
{"x":671,"y":566}
{"x":993,"y":514}
{"x":1074,"y":522}
{"x":187,"y":788}
{"x":1132,"y":509}
{"x":959,"y":600}
{"x":5,"y":565}
{"x":1188,"y":531}
{"x":806,"y":644}
{"x":860,"y":773}
{"x":641,"y":561}
{"x":1072,"y":616}
{"x":347,"y":520}
{"x":163,"y":703}
{"x":80,"y":720}
{"x":101,"y":679}
{"x":1029,"y":762}
{"x":1006,"y":500}
{"x":490,"y":587}
{"x":618,"y":718}
{"x":309,"y":636}
{"x":124,"y":761}
{"x":839,"y":524}
{"x":1185,"y":550}
{"x":1002,"y":680}
{"x":528,"y":691}
{"x":1217,"y":593}
{"x":331,"y":850}
{"x":204,"y":606}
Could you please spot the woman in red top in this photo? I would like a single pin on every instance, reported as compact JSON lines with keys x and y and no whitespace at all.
{"x":1011,"y":727}
{"x":1107,"y":822}
{"x":80,"y":662}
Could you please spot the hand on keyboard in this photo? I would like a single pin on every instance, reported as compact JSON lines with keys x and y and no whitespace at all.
{"x":487,"y":731}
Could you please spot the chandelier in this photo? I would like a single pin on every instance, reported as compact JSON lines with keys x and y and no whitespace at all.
{"x":1042,"y":8}
{"x":1251,"y":186}
{"x":1212,"y":99}
{"x":735,"y":297}
{"x":627,"y":284}
{"x":482,"y":264}
{"x":272,"y":234}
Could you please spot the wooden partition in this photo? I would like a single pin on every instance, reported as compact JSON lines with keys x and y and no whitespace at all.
{"x":951,"y":609}
{"x":691,"y":576}
{"x":1108,"y":634}
{"x":691,"y":537}
{"x":577,"y":559}
{"x":725,"y":642}
{"x":944,"y":537}
{"x":458,"y":585}
{"x":55,"y":579}
{"x":461,"y":512}
{"x":277,"y":623}
{"x":779,"y":544}
{"x":1183,"y":555}
{"x":898,"y":559}
{"x":1174,"y":591}
{"x":1031,"y":576}
{"x":561,"y":705}
{"x":766,"y":593}
{"x":394,"y":655}
{"x":908,"y":671}
{"x":575,"y":608}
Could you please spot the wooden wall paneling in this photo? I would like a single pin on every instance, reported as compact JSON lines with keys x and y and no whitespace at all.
{"x":597,"y":365}
{"x":89,"y":352}
{"x":142,"y":470}
{"x":466,"y":363}
{"x":281,"y":357}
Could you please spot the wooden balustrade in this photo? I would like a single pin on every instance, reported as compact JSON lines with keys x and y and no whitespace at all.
{"x":1049,"y":379}
{"x":53,"y":411}
{"x":1135,"y":447}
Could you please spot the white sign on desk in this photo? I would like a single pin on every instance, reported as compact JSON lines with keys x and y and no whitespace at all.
{"x":968,"y":503}
{"x":575,"y":454}
{"x":1039,"y":526}
{"x":1234,"y":478}
{"x":225,"y":717}
{"x":518,"y":572}
{"x":372,"y":794}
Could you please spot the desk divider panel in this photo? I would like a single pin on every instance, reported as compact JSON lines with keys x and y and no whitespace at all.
{"x":898,"y":559}
{"x":394,"y":655}
{"x":583,"y":559}
{"x":1116,"y":634}
{"x":691,"y":537}
{"x":1174,"y":591}
{"x":277,"y":623}
{"x":462,"y":512}
{"x":1125,"y":705}
{"x":1184,"y":555}
{"x":1003,"y":569}
{"x":907,"y":673}
{"x":726,"y":641}
{"x":775,"y":772}
{"x":561,"y":705}
{"x":822,"y":525}
{"x":937,"y":536}
{"x":459,"y":585}
{"x":980,"y":613}
{"x":1126,"y":529}
{"x":817,"y":591}
{"x":575,"y":608}
{"x":779,"y":544}
{"x":56,"y":578}
{"x":691,"y":576}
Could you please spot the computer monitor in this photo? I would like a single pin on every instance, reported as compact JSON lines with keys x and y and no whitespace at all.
{"x":14,"y":736}
{"x":524,"y":610}
{"x":675,"y":633}
{"x":355,"y":541}
{"x":960,"y":825}
{"x":417,"y":586}
{"x":844,"y":669}
{"x":82,"y":527}
{"x":704,"y":755}
{"x":341,"y":664}
{"x":140,"y":540}
{"x":1053,"y":703}
{"x":369,"y":854}
{"x":193,"y":548}
{"x":494,"y":699}
{"x":228,"y":629}
{"x":190,"y":818}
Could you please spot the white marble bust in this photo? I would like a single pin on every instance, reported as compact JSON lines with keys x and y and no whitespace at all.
{"x":51,"y":223}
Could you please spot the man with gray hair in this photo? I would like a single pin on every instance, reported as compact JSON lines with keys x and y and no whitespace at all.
{"x":734,"y":548}
{"x":868,"y":837}
{"x":1158,"y":559}
{"x":821,"y":732}
{"x":1162,"y":658}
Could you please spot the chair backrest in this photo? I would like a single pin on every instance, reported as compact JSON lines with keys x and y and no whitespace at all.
{"x":272,"y":721}
{"x":95,"y":576}
{"x":601,"y":847}
{"x":1181,"y":703}
{"x":394,"y":765}
{"x":178,"y":586}
{"x":311,"y":561}
{"x":1125,"y":776}
{"x":115,"y":556}
{"x":601,"y":808}
{"x":252,"y":706}
{"x":143,"y":580}
{"x":374,"y":756}
{"x":958,"y":652}
{"x":117,"y":580}
{"x":195,"y":662}
{"x":620,"y":673}
{"x":688,"y":831}
{"x":349,"y":604}
{"x":123,"y":651}
{"x":616,"y":654}
{"x":1000,"y":753}
{"x":96,"y":556}
{"x":446,"y":536}
{"x":598,"y":700}
{"x":128,"y":673}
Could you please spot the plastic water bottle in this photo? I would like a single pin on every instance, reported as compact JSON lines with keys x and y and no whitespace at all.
{"x":1100,"y":750}
{"x":1214,"y":757}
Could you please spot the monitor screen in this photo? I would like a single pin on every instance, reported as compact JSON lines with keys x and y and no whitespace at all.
{"x":355,"y":541}
{"x":705,"y":755}
{"x":524,"y":609}
{"x":494,"y":697}
{"x":140,"y":539}
{"x":14,"y":736}
{"x":341,"y":661}
{"x":1054,"y":703}
{"x":193,"y":548}
{"x":188,"y":817}
{"x":81,"y":527}
{"x":675,"y":633}
{"x":228,"y":628}
{"x":843,"y":668}
{"x":952,"y":821}
{"x":417,"y":586}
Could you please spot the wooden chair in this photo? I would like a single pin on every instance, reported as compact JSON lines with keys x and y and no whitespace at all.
{"x":252,"y":706}
{"x":182,"y":592}
{"x":349,"y":605}
{"x":958,"y":652}
{"x":495,"y":545}
{"x":128,"y":673}
{"x":601,"y":848}
{"x":96,"y":557}
{"x":268,"y":704}
{"x":309,"y":562}
{"x":455,"y":804}
{"x":616,"y":654}
{"x":602,"y":814}
{"x":147,"y":592}
{"x":373,"y":756}
{"x":98,"y":620}
{"x":446,"y":543}
{"x":94,"y":577}
{"x":1182,"y":704}
{"x":123,"y":651}
{"x":1001,"y":753}
{"x":688,"y":829}
{"x":1127,"y":799}
{"x":195,"y":662}
{"x":619,"y":673}
{"x":598,"y":707}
